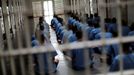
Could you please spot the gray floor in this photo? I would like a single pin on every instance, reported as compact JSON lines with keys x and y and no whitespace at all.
{"x":62,"y":67}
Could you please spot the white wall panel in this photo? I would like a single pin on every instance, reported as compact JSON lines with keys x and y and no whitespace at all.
{"x":58,"y":6}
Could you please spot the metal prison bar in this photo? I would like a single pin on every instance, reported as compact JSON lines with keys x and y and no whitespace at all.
{"x":16,"y":57}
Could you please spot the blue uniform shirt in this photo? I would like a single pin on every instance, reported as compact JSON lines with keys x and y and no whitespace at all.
{"x":66,"y":35}
{"x":94,"y":32}
{"x":128,"y":63}
{"x":78,"y":59}
{"x":107,"y":36}
{"x":60,"y":30}
{"x":69,"y":20}
{"x":55,"y":22}
{"x":96,"y":19}
{"x":62,"y":35}
{"x":79,"y":26}
{"x":58,"y":26}
{"x":41,"y":60}
{"x":125,"y":30}
{"x":73,"y":21}
{"x":35,"y":42}
{"x":111,"y":49}
{"x":131,"y":34}
{"x":71,"y":38}
{"x":112,"y":28}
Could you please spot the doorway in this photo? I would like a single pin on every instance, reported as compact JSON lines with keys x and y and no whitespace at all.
{"x":48,"y":11}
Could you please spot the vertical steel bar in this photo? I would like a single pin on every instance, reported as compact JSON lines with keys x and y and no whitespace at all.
{"x":11,"y":14}
{"x":49,"y":46}
{"x":18,"y":19}
{"x":71,"y":5}
{"x":1,"y":46}
{"x":77,"y":6}
{"x":86,"y":53}
{"x":42,"y":5}
{"x":6,"y":22}
{"x":104,"y":71}
{"x":53,"y":6}
{"x":120,"y":34}
{"x":88,"y":8}
{"x":27,"y":37}
{"x":107,"y":13}
{"x":97,"y":6}
{"x":41,"y":55}
{"x":74,"y":5}
{"x":3,"y":66}
{"x":85,"y":6}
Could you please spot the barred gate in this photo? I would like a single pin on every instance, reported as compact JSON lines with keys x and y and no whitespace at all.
{"x":16,"y":52}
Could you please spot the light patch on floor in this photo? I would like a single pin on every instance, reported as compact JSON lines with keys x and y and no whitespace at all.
{"x":54,"y":42}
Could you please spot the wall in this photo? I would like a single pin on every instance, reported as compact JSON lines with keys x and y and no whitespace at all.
{"x":29,"y":14}
{"x":58,"y":6}
{"x":101,"y":11}
{"x":130,"y":13}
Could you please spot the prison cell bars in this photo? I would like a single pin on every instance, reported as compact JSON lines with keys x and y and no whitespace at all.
{"x":88,"y":6}
{"x":120,"y":35}
{"x":50,"y":45}
{"x":19,"y":33}
{"x":71,"y":7}
{"x":1,"y":39}
{"x":74,"y":6}
{"x":12,"y":52}
{"x":36,"y":15}
{"x":11,"y":19}
{"x":27,"y":36}
{"x":104,"y":68}
{"x":14,"y":20}
{"x":6,"y":23}
{"x":78,"y":7}
{"x":23,"y":71}
{"x":2,"y":59}
{"x":118,"y":3}
{"x":85,"y":10}
{"x":40,"y":56}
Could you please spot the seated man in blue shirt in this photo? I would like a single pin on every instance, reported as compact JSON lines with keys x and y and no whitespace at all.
{"x":42,"y":61}
{"x":59,"y":34}
{"x":54,"y":22}
{"x":125,"y":28}
{"x":76,"y":56}
{"x":68,"y":37}
{"x":110,"y":50}
{"x":113,"y":28}
{"x":62,"y":35}
{"x":95,"y":31}
{"x":128,"y":59}
{"x":96,"y":18}
{"x":69,"y":20}
{"x":90,"y":20}
{"x":107,"y":49}
{"x":131,"y":33}
{"x":107,"y":23}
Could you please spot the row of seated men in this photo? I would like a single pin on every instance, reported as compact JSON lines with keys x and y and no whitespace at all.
{"x":75,"y":31}
{"x":44,"y":63}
